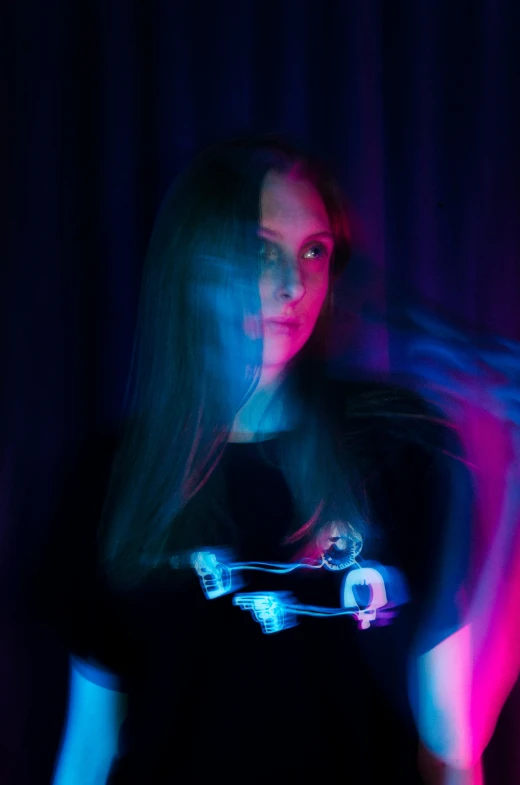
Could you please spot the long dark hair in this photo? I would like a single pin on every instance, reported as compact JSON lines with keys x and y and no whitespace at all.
{"x":203,"y":262}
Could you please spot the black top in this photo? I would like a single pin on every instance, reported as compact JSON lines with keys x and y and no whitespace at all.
{"x":300,"y":686}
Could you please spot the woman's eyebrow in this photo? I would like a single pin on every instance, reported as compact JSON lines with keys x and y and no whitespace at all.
{"x":316,"y":235}
{"x":270,"y":232}
{"x":319,"y":235}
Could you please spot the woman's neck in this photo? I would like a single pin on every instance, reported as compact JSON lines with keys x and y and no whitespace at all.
{"x":253,"y":422}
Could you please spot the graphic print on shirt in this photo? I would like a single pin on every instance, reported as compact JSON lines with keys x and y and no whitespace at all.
{"x":370,"y":592}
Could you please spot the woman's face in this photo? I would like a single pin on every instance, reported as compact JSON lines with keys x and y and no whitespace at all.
{"x":297,"y":247}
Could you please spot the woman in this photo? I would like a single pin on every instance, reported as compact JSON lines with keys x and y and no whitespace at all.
{"x":273,"y":542}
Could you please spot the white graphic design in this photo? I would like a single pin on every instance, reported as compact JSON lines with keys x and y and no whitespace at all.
{"x":272,"y":611}
{"x":215,"y":576}
{"x":369,"y":581}
{"x":369,"y":593}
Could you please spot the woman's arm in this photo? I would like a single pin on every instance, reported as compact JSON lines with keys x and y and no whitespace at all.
{"x":90,"y":739}
{"x":480,"y":390}
{"x":462,"y":683}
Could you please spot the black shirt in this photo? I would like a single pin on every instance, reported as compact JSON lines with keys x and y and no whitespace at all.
{"x":213,"y":691}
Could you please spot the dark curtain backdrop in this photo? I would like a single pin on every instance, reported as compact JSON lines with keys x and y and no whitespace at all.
{"x":416,"y":104}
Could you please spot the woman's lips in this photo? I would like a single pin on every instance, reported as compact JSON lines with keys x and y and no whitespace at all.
{"x":282,"y":326}
{"x":253,"y":325}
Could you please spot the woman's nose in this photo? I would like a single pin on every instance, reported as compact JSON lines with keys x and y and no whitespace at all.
{"x":291,"y":284}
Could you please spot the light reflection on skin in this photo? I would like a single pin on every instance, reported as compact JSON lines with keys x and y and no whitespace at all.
{"x":476,"y":380}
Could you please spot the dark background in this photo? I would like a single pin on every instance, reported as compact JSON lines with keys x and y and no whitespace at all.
{"x":415,"y":103}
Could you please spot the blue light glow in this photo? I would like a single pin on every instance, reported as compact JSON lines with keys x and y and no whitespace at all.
{"x":364,"y":591}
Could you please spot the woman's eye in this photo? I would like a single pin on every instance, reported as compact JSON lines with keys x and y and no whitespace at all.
{"x":269,"y":252}
{"x":315,"y":252}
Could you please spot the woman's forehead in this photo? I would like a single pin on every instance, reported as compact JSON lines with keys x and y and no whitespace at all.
{"x":290,"y":203}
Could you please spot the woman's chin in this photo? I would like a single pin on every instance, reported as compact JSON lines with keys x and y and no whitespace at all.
{"x":280,"y":353}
